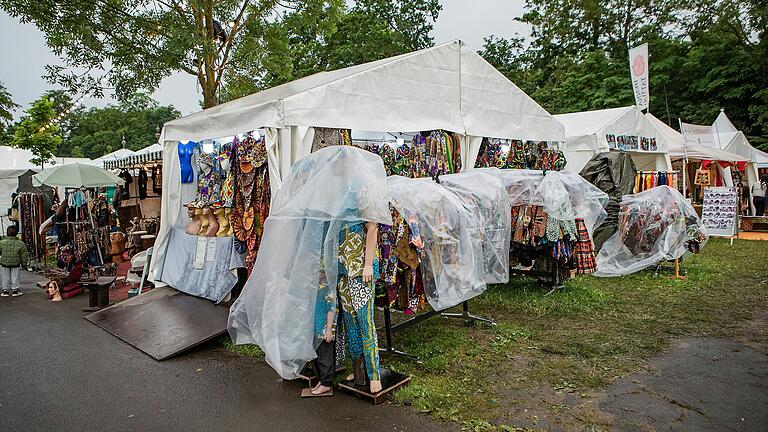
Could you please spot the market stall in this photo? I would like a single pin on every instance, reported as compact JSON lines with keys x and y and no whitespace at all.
{"x":616,"y":129}
{"x":447,"y":88}
{"x":701,"y":166}
{"x":82,"y":222}
{"x":138,"y":201}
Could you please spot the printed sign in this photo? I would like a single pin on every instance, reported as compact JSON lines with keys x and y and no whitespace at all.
{"x":200,"y":250}
{"x":698,"y":134}
{"x":638,"y":66}
{"x":719,"y":210}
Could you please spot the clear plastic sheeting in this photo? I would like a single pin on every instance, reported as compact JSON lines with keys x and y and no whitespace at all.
{"x":654,"y":226}
{"x":563,"y":195}
{"x":448,"y":239}
{"x":485,"y":196}
{"x":299,"y":251}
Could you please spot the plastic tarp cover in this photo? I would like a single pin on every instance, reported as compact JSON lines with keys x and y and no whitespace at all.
{"x":613,"y":173}
{"x":654,"y":226}
{"x":299,"y":251}
{"x":485,"y":196}
{"x":563,"y":195}
{"x":452,"y":253}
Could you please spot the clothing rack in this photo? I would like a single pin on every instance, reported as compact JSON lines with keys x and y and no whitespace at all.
{"x":391,"y":329}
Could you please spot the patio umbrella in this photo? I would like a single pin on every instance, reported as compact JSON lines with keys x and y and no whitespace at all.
{"x":76,"y":175}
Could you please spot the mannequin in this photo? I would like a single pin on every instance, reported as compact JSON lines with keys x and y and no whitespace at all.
{"x":53,"y":291}
{"x":213,"y":224}
{"x":193,"y":227}
{"x":223,"y":222}
{"x":200,"y":213}
{"x":185,"y":161}
{"x":358,"y":269}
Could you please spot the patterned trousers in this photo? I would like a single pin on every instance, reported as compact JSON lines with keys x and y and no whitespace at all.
{"x":361,"y":338}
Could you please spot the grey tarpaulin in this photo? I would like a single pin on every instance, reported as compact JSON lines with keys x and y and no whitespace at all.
{"x":613,"y":173}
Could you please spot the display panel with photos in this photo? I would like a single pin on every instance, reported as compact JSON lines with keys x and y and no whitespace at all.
{"x":631,"y":143}
{"x":719,"y":210}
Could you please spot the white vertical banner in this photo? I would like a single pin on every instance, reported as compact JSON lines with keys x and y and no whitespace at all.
{"x":638,"y":68}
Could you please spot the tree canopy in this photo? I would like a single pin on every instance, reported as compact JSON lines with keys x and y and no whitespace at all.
{"x":704,"y":57}
{"x":31,"y":132}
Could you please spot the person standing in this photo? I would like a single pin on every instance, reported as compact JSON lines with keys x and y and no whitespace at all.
{"x":758,"y":195}
{"x":13,"y":255}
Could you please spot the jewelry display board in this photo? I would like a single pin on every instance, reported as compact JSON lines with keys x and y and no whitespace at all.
{"x":720,"y":210}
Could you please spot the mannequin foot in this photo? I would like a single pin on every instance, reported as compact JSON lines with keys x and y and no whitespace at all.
{"x":320,"y":389}
{"x":375,"y":386}
{"x":350,"y":377}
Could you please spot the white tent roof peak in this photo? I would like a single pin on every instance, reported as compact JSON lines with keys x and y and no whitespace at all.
{"x":723,"y":124}
{"x":591,"y":122}
{"x":448,"y":86}
{"x":678,"y":149}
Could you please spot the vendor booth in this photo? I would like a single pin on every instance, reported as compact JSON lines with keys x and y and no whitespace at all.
{"x":448,"y":87}
{"x":442,"y":100}
{"x":722,"y":167}
{"x":616,"y":129}
{"x":138,"y":201}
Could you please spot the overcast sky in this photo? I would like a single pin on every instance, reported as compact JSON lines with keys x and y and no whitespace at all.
{"x":26,"y":54}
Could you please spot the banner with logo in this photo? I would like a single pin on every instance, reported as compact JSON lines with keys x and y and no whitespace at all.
{"x":638,"y":66}
{"x":698,"y":134}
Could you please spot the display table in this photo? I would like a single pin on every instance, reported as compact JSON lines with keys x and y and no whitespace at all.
{"x":754,"y":223}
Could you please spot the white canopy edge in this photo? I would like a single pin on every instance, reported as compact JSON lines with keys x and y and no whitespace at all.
{"x":447,"y":86}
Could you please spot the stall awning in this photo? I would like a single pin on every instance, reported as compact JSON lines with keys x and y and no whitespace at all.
{"x":447,"y":86}
{"x":678,"y":149}
{"x":134,"y":159}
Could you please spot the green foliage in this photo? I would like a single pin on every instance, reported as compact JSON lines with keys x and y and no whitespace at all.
{"x":97,"y":131}
{"x":7,"y":105}
{"x":704,"y":57}
{"x":32,"y":134}
{"x":321,"y":36}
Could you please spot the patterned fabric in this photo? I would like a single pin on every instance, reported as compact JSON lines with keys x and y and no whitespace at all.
{"x":584,"y":253}
{"x":326,"y":302}
{"x":251,"y":194}
{"x":361,"y":339}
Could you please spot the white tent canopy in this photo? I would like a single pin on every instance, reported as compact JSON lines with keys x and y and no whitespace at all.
{"x":115,"y":155}
{"x":586,"y":136}
{"x":678,"y":149}
{"x":734,"y":141}
{"x":448,"y":87}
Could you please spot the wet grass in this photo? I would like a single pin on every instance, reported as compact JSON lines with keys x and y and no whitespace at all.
{"x":551,"y":353}
{"x":568,"y":344}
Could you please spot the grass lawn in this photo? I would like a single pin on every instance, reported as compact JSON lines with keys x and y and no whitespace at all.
{"x":550,"y":354}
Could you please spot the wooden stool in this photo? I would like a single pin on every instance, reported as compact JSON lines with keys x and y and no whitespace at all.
{"x":98,"y":292}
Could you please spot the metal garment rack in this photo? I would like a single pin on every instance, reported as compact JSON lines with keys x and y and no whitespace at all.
{"x":392,"y":329}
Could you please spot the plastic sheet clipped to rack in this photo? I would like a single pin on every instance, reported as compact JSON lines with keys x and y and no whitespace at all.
{"x":563,"y":195}
{"x":486,"y":198}
{"x":654,"y":226}
{"x":300,"y":248}
{"x":447,"y":237}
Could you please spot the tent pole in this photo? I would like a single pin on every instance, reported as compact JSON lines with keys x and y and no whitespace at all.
{"x":685,"y":161}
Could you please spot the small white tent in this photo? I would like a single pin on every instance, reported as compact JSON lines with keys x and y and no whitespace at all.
{"x":588,"y":133}
{"x":448,"y":87}
{"x":734,"y":141}
{"x":115,"y":155}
